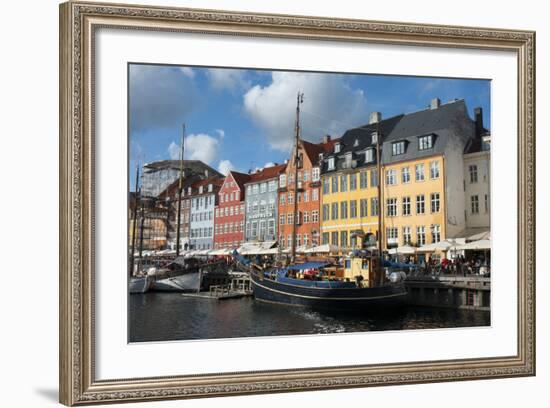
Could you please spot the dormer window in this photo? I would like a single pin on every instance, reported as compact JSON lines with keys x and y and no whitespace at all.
{"x":330,"y":163}
{"x":398,"y":148}
{"x":425,"y":142}
{"x":356,"y":143}
{"x":320,"y":157}
{"x":200,"y":189}
{"x":348,"y":160}
{"x":210,"y":188}
{"x":374,"y":136}
{"x":369,"y":155}
{"x":189,"y":191}
{"x":337,"y":148}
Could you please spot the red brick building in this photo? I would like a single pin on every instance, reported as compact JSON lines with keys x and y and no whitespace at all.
{"x":230,"y":212}
{"x":308,"y":195}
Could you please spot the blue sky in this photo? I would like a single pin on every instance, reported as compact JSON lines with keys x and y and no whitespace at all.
{"x":244,"y":119}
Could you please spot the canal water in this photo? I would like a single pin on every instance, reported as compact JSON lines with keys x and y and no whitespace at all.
{"x":171,"y":316}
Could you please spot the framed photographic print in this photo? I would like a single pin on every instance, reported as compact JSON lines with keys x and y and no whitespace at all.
{"x":256,"y":203}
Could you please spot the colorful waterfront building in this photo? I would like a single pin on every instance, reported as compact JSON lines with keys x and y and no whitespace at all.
{"x":477,"y":179}
{"x":349,"y":174}
{"x":261,"y":206}
{"x":307,"y":186}
{"x":230,"y":211}
{"x":422,"y":186}
{"x":204,"y":198}
{"x":423,"y":190}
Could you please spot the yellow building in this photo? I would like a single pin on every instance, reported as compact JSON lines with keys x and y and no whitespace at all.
{"x":349,"y":207}
{"x":414,"y":202}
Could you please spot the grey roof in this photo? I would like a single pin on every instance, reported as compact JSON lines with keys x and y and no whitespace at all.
{"x":449,"y":125}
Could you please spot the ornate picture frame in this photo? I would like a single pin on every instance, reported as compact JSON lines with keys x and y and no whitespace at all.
{"x":78,"y":24}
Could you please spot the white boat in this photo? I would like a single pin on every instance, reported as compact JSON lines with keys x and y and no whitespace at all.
{"x":140,"y":284}
{"x":185,"y":282}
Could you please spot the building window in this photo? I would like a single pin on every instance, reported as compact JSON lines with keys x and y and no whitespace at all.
{"x":420,"y":204}
{"x":344,"y":210}
{"x":324,"y":238}
{"x":419,"y":172}
{"x":473,"y":173}
{"x":289,"y":240}
{"x":306,"y":217}
{"x":374,"y":178}
{"x":315,"y":174}
{"x":421,"y":235}
{"x":344,"y":183}
{"x":334,"y":182}
{"x":315,"y":194}
{"x":434,"y":170}
{"x":475,"y":204}
{"x":353,"y":209}
{"x":282,"y":199}
{"x":291,"y":179}
{"x":282,"y":219}
{"x":343,"y":239}
{"x":282,"y":240}
{"x":315,"y":216}
{"x":363,"y":179}
{"x":407,"y":235}
{"x":326,"y":186}
{"x":364,"y":204}
{"x":337,"y":148}
{"x":434,"y":202}
{"x":436,"y":233}
{"x":391,"y":178}
{"x":391,"y":235}
{"x":391,"y":207}
{"x":290,"y":198}
{"x":486,"y":203}
{"x":306,"y":175}
{"x":330,"y":163}
{"x":282,"y":180}
{"x":334,"y":238}
{"x":369,"y":155}
{"x":406,"y":205}
{"x":334,"y":211}
{"x":405,"y":175}
{"x":263,"y":187}
{"x":374,"y":207}
{"x":306,"y":239}
{"x":326,"y":215}
{"x":289,"y":218}
{"x":306,"y":196}
{"x":353,"y":181}
{"x":398,"y":148}
{"x":425,"y":142}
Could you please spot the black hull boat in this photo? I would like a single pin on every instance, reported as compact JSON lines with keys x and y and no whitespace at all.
{"x":326,"y":295}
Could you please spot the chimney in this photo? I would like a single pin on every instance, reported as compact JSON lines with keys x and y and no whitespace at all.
{"x":478,"y":118}
{"x":375,"y":117}
{"x":326,"y":139}
{"x":435,"y":103}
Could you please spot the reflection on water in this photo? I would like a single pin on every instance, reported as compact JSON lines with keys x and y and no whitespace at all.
{"x":171,"y":316}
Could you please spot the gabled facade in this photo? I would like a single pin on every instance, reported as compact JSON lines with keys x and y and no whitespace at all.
{"x":261,"y":204}
{"x":308,"y":186}
{"x":203,"y":199}
{"x":230,"y":212}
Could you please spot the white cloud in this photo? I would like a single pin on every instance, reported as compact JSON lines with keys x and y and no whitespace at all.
{"x":188,"y":72}
{"x":220,"y":132}
{"x":199,"y":146}
{"x":225,"y":167}
{"x":269,"y":164}
{"x":330,"y":106}
{"x":226,"y":78}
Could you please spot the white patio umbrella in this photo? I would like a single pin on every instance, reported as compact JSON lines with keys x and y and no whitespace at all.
{"x":482,"y":244}
{"x":323,"y":249}
{"x":436,"y":246}
{"x":403,"y":250}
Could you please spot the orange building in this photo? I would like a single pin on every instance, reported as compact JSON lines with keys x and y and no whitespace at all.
{"x":307,"y":191}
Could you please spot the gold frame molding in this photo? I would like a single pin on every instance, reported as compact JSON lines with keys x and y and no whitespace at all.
{"x":78,"y":22}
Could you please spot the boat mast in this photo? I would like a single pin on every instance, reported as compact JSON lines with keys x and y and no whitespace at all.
{"x":299,"y":100}
{"x":134,"y":225}
{"x":380,"y":205}
{"x":180,"y":189}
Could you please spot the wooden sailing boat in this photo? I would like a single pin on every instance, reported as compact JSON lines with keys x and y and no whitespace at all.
{"x":311,"y":284}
